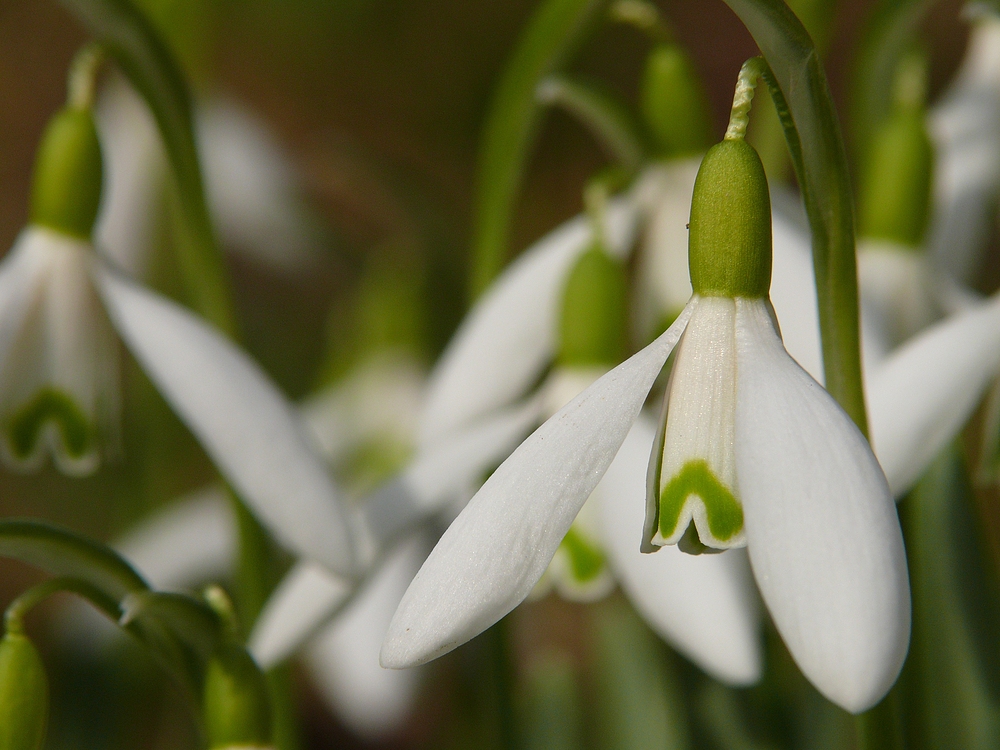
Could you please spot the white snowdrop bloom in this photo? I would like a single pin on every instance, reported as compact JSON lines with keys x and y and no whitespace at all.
{"x":58,"y":366}
{"x":807,"y":493}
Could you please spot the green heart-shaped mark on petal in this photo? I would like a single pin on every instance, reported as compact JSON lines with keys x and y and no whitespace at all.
{"x":50,"y":405}
{"x":725,"y":515}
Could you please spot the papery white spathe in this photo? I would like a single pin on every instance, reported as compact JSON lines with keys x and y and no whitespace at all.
{"x":495,"y":551}
{"x":231,"y":406}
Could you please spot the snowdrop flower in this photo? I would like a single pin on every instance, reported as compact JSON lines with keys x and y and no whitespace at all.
{"x":59,"y":306}
{"x":755,"y":440}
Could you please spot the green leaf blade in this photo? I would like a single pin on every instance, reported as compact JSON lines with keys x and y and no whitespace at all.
{"x":554,"y":33}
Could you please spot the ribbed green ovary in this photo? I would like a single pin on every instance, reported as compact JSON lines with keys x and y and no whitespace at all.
{"x":50,"y":405}
{"x":585,"y":559}
{"x":725,"y":515}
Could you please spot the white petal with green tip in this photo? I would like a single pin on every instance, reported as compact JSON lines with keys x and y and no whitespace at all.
{"x":500,"y":545}
{"x":697,"y":482}
{"x":822,"y":531}
{"x":241,"y":419}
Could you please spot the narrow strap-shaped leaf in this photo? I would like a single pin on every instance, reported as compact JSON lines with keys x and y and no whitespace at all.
{"x":812,"y":129}
{"x":555,"y":31}
{"x":607,"y":118}
{"x":153,"y":71}
{"x":63,"y":553}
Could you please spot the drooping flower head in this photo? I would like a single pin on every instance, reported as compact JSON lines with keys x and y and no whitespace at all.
{"x":801,"y":484}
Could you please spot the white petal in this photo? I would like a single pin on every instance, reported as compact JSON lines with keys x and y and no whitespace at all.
{"x":703,"y":605}
{"x":252,"y":190}
{"x":663,"y":264}
{"x":496,"y":550}
{"x":793,"y":294}
{"x":895,"y":283}
{"x":441,"y":473}
{"x":700,"y":421}
{"x":509,"y":337}
{"x":822,"y":531}
{"x":57,"y":339}
{"x":307,"y":597}
{"x":134,"y":171}
{"x":920,"y":397}
{"x":343,"y":660}
{"x":190,"y":542}
{"x":240,"y":417}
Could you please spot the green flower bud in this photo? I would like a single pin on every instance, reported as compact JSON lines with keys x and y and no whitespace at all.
{"x":729,"y":242}
{"x":237,"y":703}
{"x":68,"y":173}
{"x":594,"y":311}
{"x":24,"y":694}
{"x":896,"y":191}
{"x":674,"y":103}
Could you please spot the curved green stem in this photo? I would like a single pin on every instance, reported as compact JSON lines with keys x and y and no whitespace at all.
{"x":19,"y":608}
{"x":805,"y":106}
{"x":83,"y":74}
{"x":555,"y":31}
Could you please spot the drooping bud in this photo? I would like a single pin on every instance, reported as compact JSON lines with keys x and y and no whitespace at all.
{"x":68,"y":174}
{"x":674,"y":103}
{"x":236,"y":703}
{"x":895,"y":197}
{"x":729,"y":245}
{"x":594,"y":311}
{"x":24,"y":694}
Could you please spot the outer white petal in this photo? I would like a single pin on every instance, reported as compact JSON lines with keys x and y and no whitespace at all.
{"x":134,"y":167}
{"x":442,"y":472}
{"x":343,"y":660}
{"x":243,"y":422}
{"x":703,"y":605}
{"x":822,"y":532}
{"x":509,"y":336}
{"x":308,"y":597}
{"x":191,"y":541}
{"x":793,"y":294}
{"x":496,"y":550}
{"x":252,"y":190}
{"x":920,"y":397}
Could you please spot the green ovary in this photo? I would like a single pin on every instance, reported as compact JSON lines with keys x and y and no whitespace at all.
{"x":725,"y":515}
{"x":586,"y":560}
{"x":50,"y":404}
